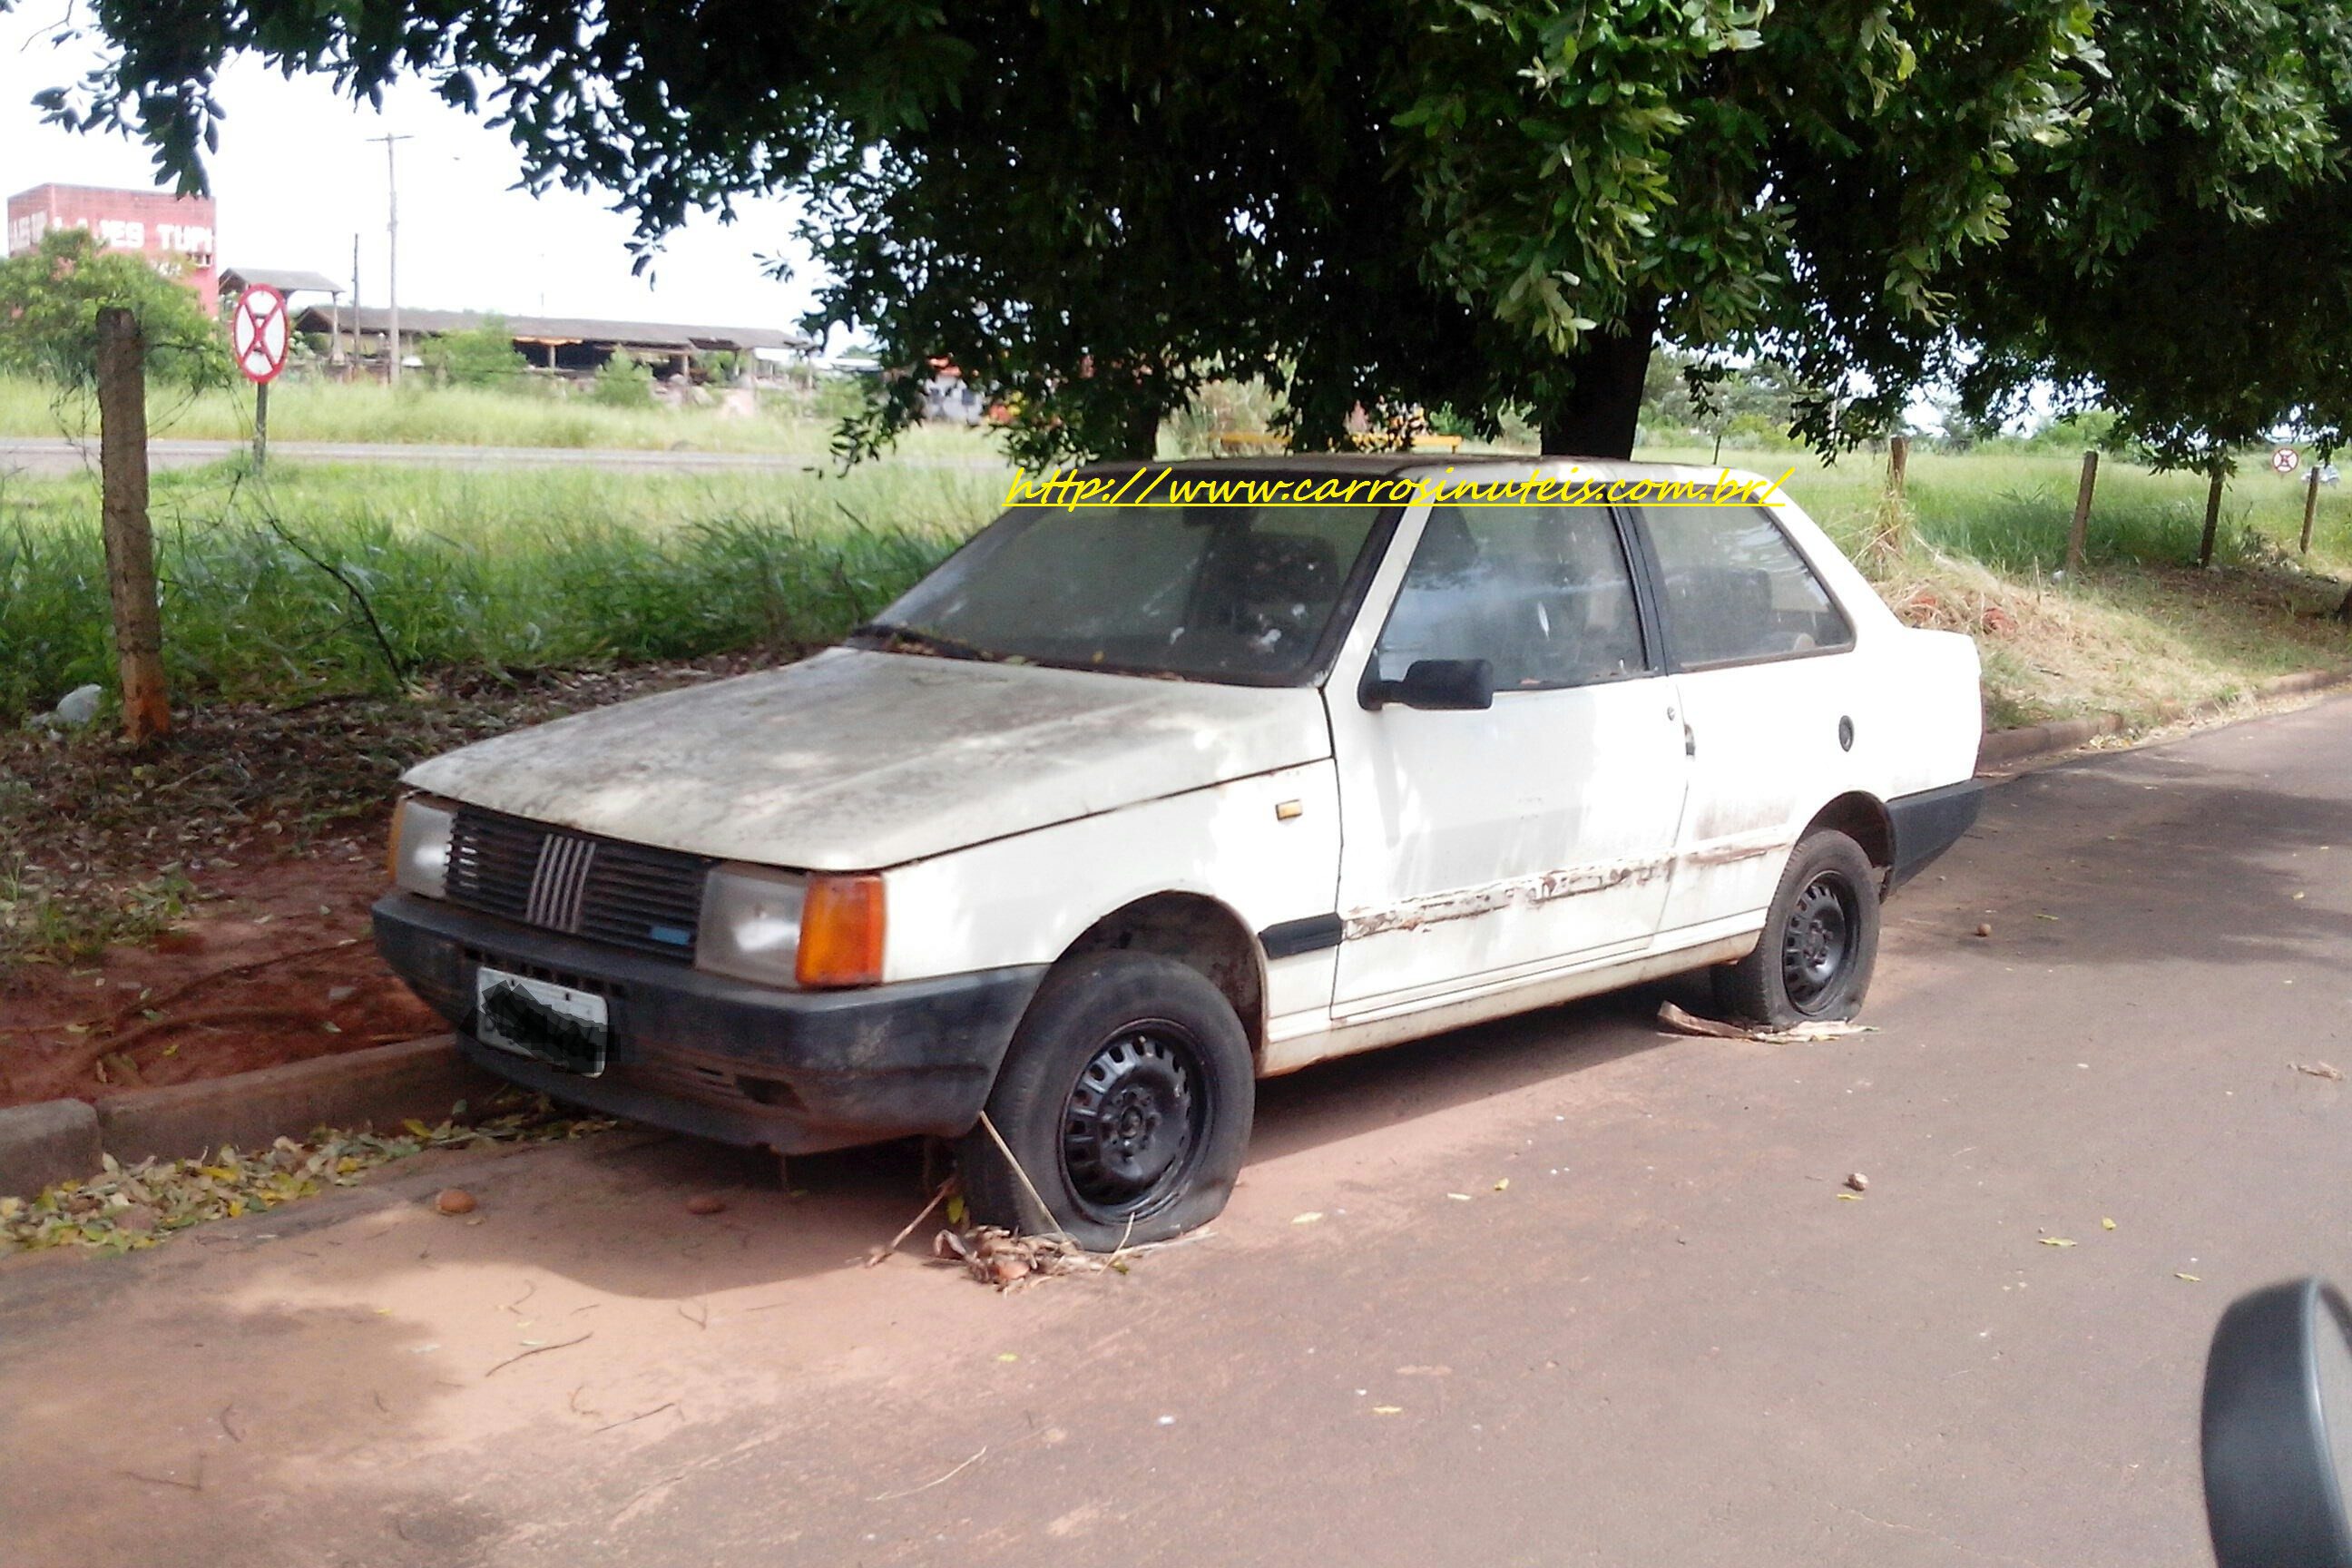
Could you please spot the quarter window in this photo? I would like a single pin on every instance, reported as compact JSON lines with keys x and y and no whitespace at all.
{"x":1542,"y":593}
{"x":1736,"y":589}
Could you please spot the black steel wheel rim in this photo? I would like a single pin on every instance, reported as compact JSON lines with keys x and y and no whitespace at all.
{"x":1135,"y":1120}
{"x":1817,"y":945}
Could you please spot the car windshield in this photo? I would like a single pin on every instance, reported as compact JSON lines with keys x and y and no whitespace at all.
{"x":1243,"y":594}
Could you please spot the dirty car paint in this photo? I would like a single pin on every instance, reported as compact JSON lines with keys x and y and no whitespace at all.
{"x":857,"y":761}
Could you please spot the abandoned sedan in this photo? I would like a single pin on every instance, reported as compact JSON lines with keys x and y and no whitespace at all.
{"x":1206,"y":772}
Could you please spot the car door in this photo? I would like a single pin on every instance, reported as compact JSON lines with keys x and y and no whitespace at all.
{"x":1482,"y":847}
{"x":1764,"y":669}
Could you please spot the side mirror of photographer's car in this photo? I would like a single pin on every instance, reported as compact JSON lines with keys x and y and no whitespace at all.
{"x":2277,"y":1429}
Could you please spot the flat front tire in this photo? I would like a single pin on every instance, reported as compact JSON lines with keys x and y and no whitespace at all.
{"x":1126,"y":1099}
{"x":1812,"y":964}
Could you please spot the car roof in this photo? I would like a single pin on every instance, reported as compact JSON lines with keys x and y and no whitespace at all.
{"x":1395,"y":465}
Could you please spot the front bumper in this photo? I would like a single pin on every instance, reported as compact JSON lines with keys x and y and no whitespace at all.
{"x":793,"y":1071}
{"x":1926,"y":824}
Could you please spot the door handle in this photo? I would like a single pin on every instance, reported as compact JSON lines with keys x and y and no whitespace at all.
{"x":1690,"y":740}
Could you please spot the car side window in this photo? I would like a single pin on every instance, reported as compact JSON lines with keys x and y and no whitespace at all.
{"x":1736,"y":589}
{"x":1542,"y":593}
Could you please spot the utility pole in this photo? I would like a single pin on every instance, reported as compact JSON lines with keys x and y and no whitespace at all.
{"x":391,"y":247}
{"x":356,"y":367}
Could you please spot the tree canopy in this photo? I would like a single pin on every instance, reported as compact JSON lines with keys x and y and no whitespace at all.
{"x":50,"y":299}
{"x":1485,"y":204}
{"x":2183,"y":257}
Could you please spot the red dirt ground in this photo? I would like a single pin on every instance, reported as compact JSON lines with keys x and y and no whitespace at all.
{"x":276,"y":818}
{"x":274,"y":963}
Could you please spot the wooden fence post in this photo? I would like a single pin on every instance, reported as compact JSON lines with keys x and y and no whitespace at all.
{"x":2310,"y":506}
{"x":2082,"y":514}
{"x":2212,"y":515}
{"x":129,"y":541}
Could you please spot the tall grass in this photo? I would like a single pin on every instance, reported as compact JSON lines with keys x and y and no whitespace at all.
{"x":2012,"y":512}
{"x":326,"y":581}
{"x":418,"y":413}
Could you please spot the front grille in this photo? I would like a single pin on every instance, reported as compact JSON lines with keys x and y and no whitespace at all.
{"x":626,"y":894}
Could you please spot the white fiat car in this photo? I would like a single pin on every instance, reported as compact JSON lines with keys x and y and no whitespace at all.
{"x":1134,"y":802}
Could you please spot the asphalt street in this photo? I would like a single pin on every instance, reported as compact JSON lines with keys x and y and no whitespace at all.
{"x":1578,"y":1291}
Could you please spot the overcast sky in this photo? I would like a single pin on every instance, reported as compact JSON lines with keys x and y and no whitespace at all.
{"x":295,"y":178}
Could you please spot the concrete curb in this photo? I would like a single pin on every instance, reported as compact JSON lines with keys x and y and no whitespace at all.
{"x":61,"y":1140}
{"x":54,"y":1140}
{"x":2004,"y":746}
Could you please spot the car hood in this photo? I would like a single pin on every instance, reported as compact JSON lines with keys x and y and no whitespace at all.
{"x":856,"y":759}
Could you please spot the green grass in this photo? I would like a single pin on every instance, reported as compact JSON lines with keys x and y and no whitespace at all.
{"x":2010,"y":512}
{"x":420,"y":413}
{"x":327,"y":579}
{"x":2142,"y":631}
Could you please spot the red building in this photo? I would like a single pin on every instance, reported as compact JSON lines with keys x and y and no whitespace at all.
{"x":175,"y":233}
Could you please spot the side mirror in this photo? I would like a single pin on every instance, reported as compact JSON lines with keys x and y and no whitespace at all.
{"x":2277,"y":1435}
{"x":1436,"y":685}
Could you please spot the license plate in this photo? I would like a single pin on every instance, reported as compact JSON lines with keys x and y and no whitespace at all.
{"x":539,"y":1019}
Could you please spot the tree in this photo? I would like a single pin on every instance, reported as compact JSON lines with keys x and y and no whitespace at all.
{"x":622,"y":382}
{"x":2179,"y":259}
{"x":49,"y":301}
{"x":478,"y":356}
{"x":1485,"y":204}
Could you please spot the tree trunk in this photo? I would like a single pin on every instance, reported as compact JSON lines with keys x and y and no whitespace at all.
{"x":122,"y":509}
{"x":1142,"y":442}
{"x":2212,"y":515}
{"x":1602,"y":408}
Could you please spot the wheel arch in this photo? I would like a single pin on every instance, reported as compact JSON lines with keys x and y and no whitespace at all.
{"x":1863,"y":817}
{"x":1198,"y":931}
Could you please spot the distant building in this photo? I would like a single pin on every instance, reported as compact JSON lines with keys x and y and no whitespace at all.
{"x":288,"y":281}
{"x":177,"y":234}
{"x":565,"y":345}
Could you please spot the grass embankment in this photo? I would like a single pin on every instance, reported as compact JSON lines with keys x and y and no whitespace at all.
{"x":2141,"y":630}
{"x":417,"y":413}
{"x":332,"y":625}
{"x":328,"y":579}
{"x":325,"y":580}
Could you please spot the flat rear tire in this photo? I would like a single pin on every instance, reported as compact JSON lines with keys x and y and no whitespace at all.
{"x":1813,"y":961}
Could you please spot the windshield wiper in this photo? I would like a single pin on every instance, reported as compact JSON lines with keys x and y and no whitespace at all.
{"x":911,"y":639}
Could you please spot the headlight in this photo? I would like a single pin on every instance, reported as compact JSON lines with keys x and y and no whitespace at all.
{"x":751,"y":926}
{"x":780,"y":928}
{"x":420,"y":845}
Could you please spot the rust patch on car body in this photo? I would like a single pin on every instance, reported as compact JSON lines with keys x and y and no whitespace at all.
{"x":1732,"y":853}
{"x":1532,"y":892}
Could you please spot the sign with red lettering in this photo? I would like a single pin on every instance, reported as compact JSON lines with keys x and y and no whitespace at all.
{"x":257,"y":333}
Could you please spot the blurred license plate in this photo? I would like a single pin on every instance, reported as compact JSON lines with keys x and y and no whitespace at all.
{"x":539,"y":1019}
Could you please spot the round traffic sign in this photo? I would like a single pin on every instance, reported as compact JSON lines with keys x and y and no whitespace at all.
{"x":2285,"y":459}
{"x":257,"y":333}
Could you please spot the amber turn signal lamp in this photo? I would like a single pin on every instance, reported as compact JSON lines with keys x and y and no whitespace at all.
{"x":841,"y":931}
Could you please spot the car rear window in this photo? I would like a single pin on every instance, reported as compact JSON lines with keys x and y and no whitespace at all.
{"x":1736,"y":589}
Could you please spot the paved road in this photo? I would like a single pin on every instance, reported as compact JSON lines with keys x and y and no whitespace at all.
{"x":57,"y":455}
{"x":1667,"y":1340}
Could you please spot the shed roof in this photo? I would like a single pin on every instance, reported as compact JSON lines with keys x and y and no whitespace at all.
{"x":285,"y":279}
{"x":566,"y":330}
